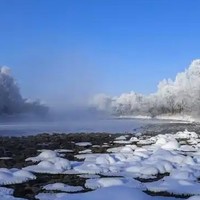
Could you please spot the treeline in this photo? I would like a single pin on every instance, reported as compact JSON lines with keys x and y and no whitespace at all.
{"x":11,"y":101}
{"x":181,"y":96}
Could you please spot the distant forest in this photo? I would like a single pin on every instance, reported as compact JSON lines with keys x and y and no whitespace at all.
{"x":11,"y":101}
{"x":181,"y":96}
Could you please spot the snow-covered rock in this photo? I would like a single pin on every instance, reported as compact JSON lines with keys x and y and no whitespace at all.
{"x":108,"y":182}
{"x":176,"y":185}
{"x":54,"y":165}
{"x":45,"y":155}
{"x":50,"y":162}
{"x":186,"y":135}
{"x":106,"y":193}
{"x":63,"y":187}
{"x":13,"y":176}
{"x":7,"y":194}
{"x":83,"y":144}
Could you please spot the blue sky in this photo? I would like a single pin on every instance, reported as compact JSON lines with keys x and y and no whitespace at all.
{"x":67,"y":50}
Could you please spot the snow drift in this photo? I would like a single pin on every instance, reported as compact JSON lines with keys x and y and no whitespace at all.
{"x":11,"y":101}
{"x":173,"y":97}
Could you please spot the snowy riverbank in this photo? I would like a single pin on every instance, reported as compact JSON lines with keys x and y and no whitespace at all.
{"x":171,"y":118}
{"x":153,"y":164}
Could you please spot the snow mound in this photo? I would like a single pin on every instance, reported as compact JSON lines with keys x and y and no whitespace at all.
{"x":180,"y":184}
{"x":167,"y":142}
{"x":13,"y":176}
{"x":107,"y":193}
{"x":53,"y":165}
{"x":64,"y":151}
{"x":50,"y":163}
{"x":83,"y":144}
{"x":122,"y":137}
{"x":108,"y":182}
{"x":63,"y":187}
{"x":45,"y":155}
{"x":122,"y":142}
{"x":90,"y":168}
{"x":105,"y":160}
{"x":186,"y":135}
{"x":6,"y":194}
{"x":86,"y":151}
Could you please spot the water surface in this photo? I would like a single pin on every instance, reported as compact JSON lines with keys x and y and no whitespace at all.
{"x":71,"y":126}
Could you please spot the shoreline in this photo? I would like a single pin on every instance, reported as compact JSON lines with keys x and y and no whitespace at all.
{"x":151,"y":128}
{"x":164,"y":118}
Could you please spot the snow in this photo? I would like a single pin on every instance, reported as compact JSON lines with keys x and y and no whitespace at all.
{"x":168,"y":117}
{"x":45,"y":155}
{"x":122,"y":142}
{"x":90,"y":168}
{"x":6,"y":194}
{"x":126,"y":148}
{"x":186,"y":135}
{"x":134,"y":139}
{"x":52,"y":166}
{"x":187,"y":148}
{"x":171,"y":145}
{"x":96,"y":146}
{"x":63,"y":187}
{"x":194,"y":198}
{"x":89,"y":176}
{"x":180,"y":118}
{"x":13,"y":176}
{"x":134,"y":117}
{"x":105,"y":145}
{"x":105,"y":160}
{"x":122,"y":137}
{"x":86,"y":151}
{"x":169,"y":162}
{"x":107,"y":193}
{"x":108,"y":182}
{"x":6,"y":158}
{"x":163,"y":155}
{"x":50,"y":163}
{"x":83,"y":144}
{"x":6,"y":191}
{"x":64,"y":151}
{"x":175,"y":185}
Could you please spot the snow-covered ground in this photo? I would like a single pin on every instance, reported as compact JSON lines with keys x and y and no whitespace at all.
{"x":171,"y":118}
{"x":143,"y":165}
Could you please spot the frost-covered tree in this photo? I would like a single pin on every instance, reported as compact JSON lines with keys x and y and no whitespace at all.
{"x":172,"y":97}
{"x":11,"y":101}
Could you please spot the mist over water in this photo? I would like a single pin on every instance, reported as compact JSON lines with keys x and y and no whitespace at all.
{"x":75,"y":113}
{"x":74,"y":120}
{"x":70,"y":125}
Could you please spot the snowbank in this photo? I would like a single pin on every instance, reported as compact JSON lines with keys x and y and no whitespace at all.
{"x":108,"y":193}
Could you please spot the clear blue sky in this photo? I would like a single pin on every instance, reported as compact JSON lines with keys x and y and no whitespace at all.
{"x":70,"y":49}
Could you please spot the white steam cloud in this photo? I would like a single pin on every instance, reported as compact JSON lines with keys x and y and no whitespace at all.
{"x":181,"y":96}
{"x":11,"y":101}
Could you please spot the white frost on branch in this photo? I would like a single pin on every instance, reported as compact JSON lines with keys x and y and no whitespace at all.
{"x":181,"y":96}
{"x":11,"y":101}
